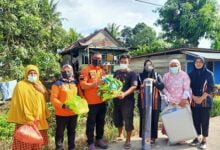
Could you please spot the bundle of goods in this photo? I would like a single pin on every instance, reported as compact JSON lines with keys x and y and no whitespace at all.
{"x":178,"y":124}
{"x":77,"y":104}
{"x":110,"y":89}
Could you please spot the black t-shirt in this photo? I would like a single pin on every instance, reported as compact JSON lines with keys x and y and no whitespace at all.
{"x":128,"y":79}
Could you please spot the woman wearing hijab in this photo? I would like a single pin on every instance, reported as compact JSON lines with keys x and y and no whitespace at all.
{"x":202,"y":84}
{"x":28,"y":105}
{"x":150,"y":74}
{"x":62,"y":89}
{"x":177,"y":85}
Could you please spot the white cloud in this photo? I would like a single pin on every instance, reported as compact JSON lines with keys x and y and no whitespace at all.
{"x":87,"y":15}
{"x":204,"y":43}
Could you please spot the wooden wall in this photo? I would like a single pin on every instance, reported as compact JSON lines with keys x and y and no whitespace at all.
{"x":161,"y":62}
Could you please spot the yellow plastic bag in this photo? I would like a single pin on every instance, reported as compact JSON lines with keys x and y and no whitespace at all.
{"x":77,"y":104}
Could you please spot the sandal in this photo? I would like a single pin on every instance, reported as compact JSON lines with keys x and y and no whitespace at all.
{"x":119,"y":139}
{"x":127,"y":146}
{"x":152,"y":141}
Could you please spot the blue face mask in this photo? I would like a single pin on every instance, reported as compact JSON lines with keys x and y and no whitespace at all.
{"x":174,"y":70}
{"x":32,"y":78}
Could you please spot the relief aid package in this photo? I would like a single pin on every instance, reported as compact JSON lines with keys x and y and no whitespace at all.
{"x":178,"y":124}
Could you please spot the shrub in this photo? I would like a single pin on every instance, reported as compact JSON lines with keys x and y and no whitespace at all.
{"x":216,"y":107}
{"x":48,"y":64}
{"x":6,"y":128}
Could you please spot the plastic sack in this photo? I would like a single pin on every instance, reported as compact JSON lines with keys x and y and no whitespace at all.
{"x":110,"y":89}
{"x":29,"y":134}
{"x":77,"y":104}
{"x":178,"y":124}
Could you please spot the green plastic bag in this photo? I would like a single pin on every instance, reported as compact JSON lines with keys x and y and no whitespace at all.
{"x":110,"y":89}
{"x":77,"y":104}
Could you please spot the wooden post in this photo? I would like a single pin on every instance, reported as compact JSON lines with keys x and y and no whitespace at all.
{"x":88,"y":55}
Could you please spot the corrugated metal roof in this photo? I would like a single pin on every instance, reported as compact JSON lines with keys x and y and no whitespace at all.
{"x":206,"y":55}
{"x":177,"y":51}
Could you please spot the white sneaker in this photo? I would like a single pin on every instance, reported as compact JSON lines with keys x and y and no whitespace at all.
{"x":203,"y":145}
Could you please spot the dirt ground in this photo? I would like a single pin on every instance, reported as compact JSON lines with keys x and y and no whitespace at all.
{"x":212,"y":141}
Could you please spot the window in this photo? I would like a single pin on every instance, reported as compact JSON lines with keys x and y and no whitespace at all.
{"x":84,"y":59}
{"x":104,"y":58}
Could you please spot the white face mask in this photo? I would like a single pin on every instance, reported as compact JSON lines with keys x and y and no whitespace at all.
{"x":123,"y":66}
{"x":32,"y":78}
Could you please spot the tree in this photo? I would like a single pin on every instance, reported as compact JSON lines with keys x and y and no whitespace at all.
{"x":141,"y":49}
{"x":126,"y":35}
{"x":48,"y":63}
{"x":113,"y":28}
{"x":155,"y":46}
{"x":28,"y":28}
{"x":72,"y":36}
{"x":186,"y":21}
{"x":142,"y":39}
{"x":216,"y":36}
{"x":139,"y":35}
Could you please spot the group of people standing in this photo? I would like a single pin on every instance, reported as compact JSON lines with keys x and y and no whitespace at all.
{"x":30,"y":96}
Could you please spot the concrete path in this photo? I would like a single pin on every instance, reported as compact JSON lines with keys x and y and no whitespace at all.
{"x":213,"y":140}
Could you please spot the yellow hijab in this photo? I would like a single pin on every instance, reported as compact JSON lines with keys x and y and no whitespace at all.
{"x":28,"y":104}
{"x":28,"y":69}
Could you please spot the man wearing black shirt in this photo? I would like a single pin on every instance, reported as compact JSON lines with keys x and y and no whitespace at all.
{"x":124,"y":104}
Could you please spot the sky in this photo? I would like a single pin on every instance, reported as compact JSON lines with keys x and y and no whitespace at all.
{"x":86,"y":16}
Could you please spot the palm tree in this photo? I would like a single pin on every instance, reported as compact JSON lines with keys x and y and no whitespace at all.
{"x":113,"y":28}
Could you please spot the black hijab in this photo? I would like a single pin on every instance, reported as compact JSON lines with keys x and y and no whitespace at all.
{"x":198,"y":77}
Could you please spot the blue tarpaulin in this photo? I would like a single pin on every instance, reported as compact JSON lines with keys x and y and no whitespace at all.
{"x":7,"y":89}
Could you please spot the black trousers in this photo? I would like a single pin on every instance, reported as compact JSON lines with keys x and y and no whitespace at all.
{"x":96,"y":119}
{"x":201,"y":118}
{"x":63,"y":122}
{"x":123,"y":115}
{"x":154,"y":122}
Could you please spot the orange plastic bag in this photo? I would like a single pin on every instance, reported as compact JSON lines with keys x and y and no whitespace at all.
{"x":29,"y":134}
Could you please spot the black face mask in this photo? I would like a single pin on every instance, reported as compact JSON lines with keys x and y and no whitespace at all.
{"x":66,"y":75}
{"x":96,"y":62}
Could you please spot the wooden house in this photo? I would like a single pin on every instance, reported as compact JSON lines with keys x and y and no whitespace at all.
{"x":80,"y":52}
{"x":184,"y":55}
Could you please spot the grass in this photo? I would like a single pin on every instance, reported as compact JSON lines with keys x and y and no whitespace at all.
{"x":216,"y":107}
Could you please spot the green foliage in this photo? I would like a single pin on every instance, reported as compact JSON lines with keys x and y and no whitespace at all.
{"x":47,"y":63}
{"x":142,"y":39}
{"x":113,"y":28}
{"x":185,"y":22}
{"x":216,"y":35}
{"x":72,"y":36}
{"x":6,"y":128}
{"x":141,"y":49}
{"x":139,"y":35}
{"x":51,"y":121}
{"x":157,"y":45}
{"x":216,"y":108}
{"x":27,"y":29}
